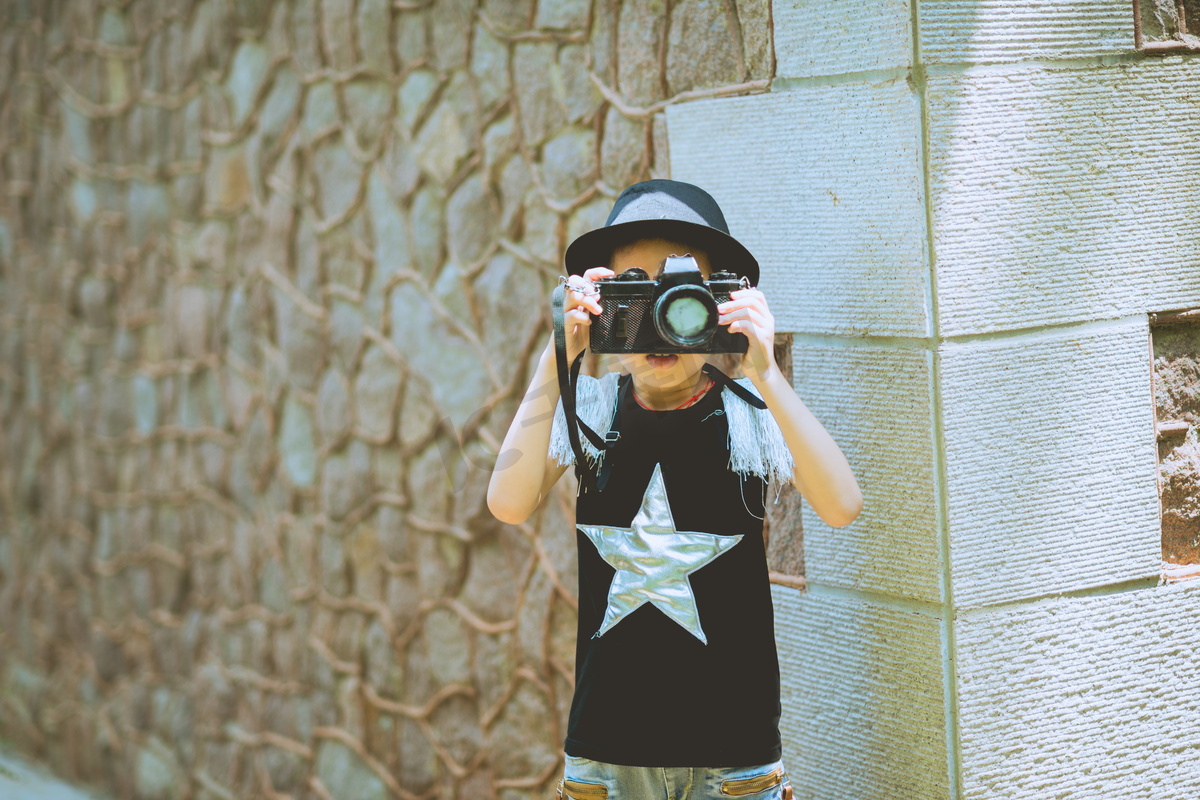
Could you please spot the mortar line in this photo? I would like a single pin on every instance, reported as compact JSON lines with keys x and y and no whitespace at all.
{"x":982,"y":67}
{"x":1103,"y":590}
{"x":925,"y":608}
{"x":1033,"y":332}
{"x":949,"y":651}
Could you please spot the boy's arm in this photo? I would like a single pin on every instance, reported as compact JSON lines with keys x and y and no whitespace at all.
{"x":822,"y":474}
{"x":525,"y":472}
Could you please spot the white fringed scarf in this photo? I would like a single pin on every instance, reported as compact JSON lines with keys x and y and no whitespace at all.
{"x":756,"y":445}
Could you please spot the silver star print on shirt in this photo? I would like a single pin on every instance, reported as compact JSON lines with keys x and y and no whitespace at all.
{"x":653,"y":561}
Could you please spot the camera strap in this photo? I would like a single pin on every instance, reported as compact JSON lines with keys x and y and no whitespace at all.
{"x":568,"y":377}
{"x":726,"y":382}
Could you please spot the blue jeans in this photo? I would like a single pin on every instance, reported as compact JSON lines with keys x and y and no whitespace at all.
{"x":584,"y":779}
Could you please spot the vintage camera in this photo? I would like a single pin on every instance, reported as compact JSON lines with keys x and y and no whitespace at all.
{"x":676,"y":312}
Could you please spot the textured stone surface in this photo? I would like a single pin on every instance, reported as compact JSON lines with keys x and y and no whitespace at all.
{"x":1112,"y":676}
{"x":840,"y":238}
{"x":260,"y":264}
{"x":992,"y":30}
{"x":863,"y":700}
{"x":876,"y":405}
{"x":824,"y":37}
{"x":1010,"y":164}
{"x":1050,"y":489}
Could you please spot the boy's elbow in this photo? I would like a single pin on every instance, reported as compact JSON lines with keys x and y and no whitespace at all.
{"x":504,"y":510}
{"x":848,"y":513}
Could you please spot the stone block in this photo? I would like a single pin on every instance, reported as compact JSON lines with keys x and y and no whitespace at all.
{"x":338,"y":177}
{"x":247,"y":75}
{"x":368,"y":110}
{"x":863,"y":698}
{"x":1081,"y":696}
{"x":471,"y":216}
{"x":840,"y":235}
{"x":580,"y":96}
{"x":376,"y":389}
{"x":825,"y":37}
{"x":569,"y":163}
{"x":344,"y":774}
{"x":538,"y":91}
{"x":1046,"y":192}
{"x":226,"y":180}
{"x":489,"y":66}
{"x":297,"y":442}
{"x":450,"y":27}
{"x":442,"y":143}
{"x":876,"y":404}
{"x":641,"y":28}
{"x":333,"y":407}
{"x":337,"y":22}
{"x":703,"y":46}
{"x":320,"y":110}
{"x":374,"y":23}
{"x":511,"y":15}
{"x":1050,"y":461}
{"x":519,"y":740}
{"x":562,"y":14}
{"x":975,"y":31}
{"x":622,"y":149}
{"x":757,"y":37}
{"x":346,"y":480}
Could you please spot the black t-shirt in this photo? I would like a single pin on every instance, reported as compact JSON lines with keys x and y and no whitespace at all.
{"x":661,"y":682}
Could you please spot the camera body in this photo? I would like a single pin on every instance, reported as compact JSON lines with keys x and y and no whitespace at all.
{"x":676,"y":312}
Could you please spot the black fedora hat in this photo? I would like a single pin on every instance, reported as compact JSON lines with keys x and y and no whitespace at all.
{"x":664,"y":209}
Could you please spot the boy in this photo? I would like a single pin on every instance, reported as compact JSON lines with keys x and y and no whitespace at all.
{"x":677,"y":678}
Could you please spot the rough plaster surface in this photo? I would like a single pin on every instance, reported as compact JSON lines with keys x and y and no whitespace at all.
{"x":825,"y":37}
{"x":1063,"y":195}
{"x":1001,"y":30}
{"x":863,"y":699}
{"x":1082,"y":697}
{"x":1050,"y":463}
{"x":875,"y":402}
{"x":825,"y":193}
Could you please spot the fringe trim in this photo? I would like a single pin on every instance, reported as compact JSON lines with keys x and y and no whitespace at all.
{"x":595,"y":403}
{"x":756,"y":445}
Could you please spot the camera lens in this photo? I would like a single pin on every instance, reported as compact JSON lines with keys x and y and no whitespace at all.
{"x":686,"y":316}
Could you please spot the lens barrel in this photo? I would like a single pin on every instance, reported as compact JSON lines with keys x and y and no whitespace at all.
{"x":685,"y":315}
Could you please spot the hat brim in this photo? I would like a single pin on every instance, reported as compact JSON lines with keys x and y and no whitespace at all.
{"x":595,"y":248}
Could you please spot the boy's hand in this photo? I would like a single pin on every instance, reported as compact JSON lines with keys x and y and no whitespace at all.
{"x":578,"y":307}
{"x":746,"y":312}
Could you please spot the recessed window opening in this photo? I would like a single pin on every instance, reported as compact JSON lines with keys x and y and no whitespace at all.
{"x":1166,"y":26}
{"x":1175,"y":388}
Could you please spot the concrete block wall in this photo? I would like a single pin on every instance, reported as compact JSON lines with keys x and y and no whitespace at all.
{"x":965,"y":212}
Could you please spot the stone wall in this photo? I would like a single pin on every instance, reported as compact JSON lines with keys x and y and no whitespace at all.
{"x":271,"y":277}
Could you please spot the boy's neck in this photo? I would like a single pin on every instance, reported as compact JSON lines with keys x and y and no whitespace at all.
{"x":669,"y":398}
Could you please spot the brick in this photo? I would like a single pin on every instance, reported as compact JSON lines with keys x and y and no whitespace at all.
{"x":1050,"y":193}
{"x":863,"y":700}
{"x":840,"y":235}
{"x":1081,"y":697}
{"x":999,"y":30}
{"x":876,"y":404}
{"x":1050,"y":462}
{"x":825,"y":37}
